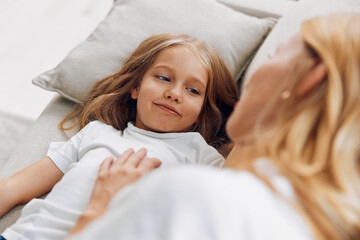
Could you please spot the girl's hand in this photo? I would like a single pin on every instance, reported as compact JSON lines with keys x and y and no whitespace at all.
{"x":113,"y":176}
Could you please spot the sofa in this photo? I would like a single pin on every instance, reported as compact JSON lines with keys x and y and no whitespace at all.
{"x":245,"y":33}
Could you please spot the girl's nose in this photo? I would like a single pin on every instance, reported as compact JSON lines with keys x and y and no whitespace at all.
{"x":174,"y":95}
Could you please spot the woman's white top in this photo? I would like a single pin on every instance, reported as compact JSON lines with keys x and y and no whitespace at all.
{"x":204,"y":203}
{"x":79,"y":159}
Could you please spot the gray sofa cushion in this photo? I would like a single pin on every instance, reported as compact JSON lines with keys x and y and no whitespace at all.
{"x":12,"y":130}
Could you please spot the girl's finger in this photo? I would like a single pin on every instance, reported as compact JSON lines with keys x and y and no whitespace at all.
{"x":123,"y":158}
{"x":149,"y":164}
{"x":105,"y":165}
{"x":136,"y":158}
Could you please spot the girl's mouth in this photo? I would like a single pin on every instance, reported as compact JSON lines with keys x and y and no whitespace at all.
{"x":168,"y":109}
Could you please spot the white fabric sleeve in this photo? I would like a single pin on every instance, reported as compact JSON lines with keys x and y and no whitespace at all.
{"x":217,"y":160}
{"x":210,"y":156}
{"x":206,"y":154}
{"x":197,"y":203}
{"x":65,"y":153}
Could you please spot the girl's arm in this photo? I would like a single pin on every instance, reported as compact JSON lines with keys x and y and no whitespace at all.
{"x":31,"y":182}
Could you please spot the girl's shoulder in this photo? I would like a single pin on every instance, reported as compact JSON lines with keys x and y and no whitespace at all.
{"x":96,"y":126}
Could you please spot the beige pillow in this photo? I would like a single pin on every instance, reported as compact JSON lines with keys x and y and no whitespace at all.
{"x":290,"y":23}
{"x":233,"y":34}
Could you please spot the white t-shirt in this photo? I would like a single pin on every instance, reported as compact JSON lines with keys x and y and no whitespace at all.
{"x":79,"y":159}
{"x":201,"y":203}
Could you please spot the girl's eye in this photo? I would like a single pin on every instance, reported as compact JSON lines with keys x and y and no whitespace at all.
{"x":163,"y":78}
{"x":193,"y":91}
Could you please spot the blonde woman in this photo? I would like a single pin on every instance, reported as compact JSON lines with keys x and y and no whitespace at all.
{"x":294,"y":170}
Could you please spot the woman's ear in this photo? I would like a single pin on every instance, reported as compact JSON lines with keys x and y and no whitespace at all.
{"x":316,"y":75}
{"x":134,"y":93}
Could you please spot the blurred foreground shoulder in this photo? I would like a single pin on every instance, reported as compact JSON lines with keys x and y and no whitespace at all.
{"x":198,"y":203}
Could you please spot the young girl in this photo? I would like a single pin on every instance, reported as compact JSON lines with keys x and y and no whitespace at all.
{"x":172,"y":97}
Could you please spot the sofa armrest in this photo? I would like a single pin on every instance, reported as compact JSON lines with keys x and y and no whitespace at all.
{"x":34,"y":146}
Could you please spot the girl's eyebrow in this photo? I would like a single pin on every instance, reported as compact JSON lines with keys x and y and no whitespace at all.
{"x":164,"y":66}
{"x":197,"y":81}
{"x":193,"y":78}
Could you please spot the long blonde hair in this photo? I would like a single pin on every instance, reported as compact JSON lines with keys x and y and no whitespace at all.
{"x":110,"y":102}
{"x":315,"y":140}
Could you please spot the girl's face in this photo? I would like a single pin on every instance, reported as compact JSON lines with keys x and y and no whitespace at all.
{"x":172,"y":91}
{"x":261,"y":87}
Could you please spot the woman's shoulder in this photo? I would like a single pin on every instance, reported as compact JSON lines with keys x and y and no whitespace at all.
{"x":211,"y":180}
{"x":241,"y":188}
{"x":237,"y":201}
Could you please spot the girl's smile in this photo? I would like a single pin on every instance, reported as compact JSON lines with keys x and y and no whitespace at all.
{"x":168,"y":109}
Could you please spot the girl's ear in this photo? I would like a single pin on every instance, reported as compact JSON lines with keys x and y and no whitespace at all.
{"x":134,"y":93}
{"x":316,"y":75}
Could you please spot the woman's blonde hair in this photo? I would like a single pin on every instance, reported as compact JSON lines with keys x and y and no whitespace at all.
{"x":315,"y":140}
{"x":110,"y":100}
